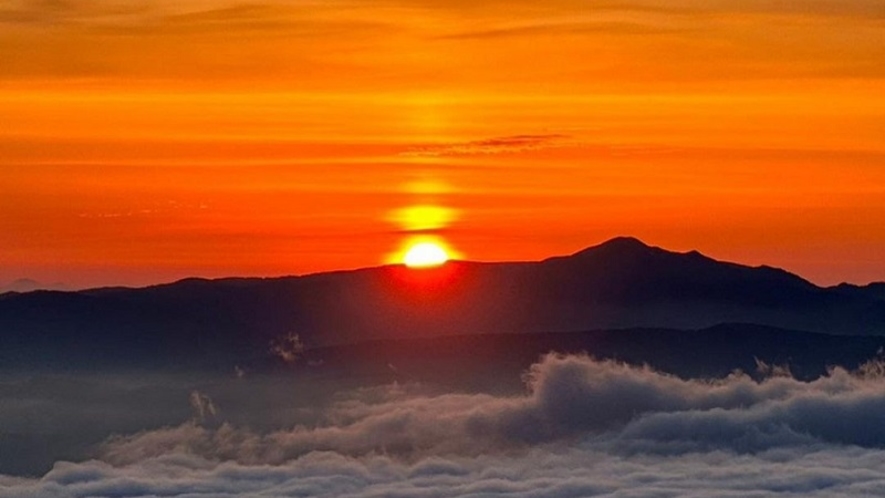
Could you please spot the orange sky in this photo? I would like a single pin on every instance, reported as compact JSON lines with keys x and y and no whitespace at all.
{"x":143,"y":141}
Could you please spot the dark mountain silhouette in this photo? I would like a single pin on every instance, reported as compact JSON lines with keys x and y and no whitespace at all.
{"x":622,"y":283}
{"x":875,"y":290}
{"x":28,"y":285}
{"x":482,"y":362}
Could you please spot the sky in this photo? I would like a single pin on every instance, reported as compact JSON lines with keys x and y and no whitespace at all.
{"x":142,"y":141}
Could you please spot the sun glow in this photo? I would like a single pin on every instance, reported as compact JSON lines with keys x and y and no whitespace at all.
{"x":425,"y":255}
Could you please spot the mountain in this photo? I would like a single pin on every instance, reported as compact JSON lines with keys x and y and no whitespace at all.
{"x":875,"y":290}
{"x":622,"y":283}
{"x":29,"y":285}
{"x":480,"y":362}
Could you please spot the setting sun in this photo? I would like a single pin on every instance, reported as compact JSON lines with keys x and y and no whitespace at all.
{"x":424,"y":255}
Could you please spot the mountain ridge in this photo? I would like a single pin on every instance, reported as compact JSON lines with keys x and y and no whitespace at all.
{"x":622,"y":283}
{"x":621,"y":243}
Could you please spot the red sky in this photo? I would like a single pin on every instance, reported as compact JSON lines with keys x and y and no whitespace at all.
{"x":144,"y":141}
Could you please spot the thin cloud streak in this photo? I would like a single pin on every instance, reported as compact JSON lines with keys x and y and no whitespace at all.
{"x":498,"y":145}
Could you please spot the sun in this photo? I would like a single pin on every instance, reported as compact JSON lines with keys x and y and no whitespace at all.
{"x":425,"y":255}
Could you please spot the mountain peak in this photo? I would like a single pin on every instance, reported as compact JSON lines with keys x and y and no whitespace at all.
{"x":617,"y":245}
{"x":625,"y":242}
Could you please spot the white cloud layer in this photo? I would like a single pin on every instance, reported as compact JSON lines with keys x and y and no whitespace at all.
{"x":550,"y":472}
{"x":584,"y":428}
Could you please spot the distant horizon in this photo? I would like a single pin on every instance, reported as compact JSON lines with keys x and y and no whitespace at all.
{"x":9,"y":286}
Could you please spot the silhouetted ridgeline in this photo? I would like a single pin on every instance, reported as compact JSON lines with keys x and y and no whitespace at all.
{"x":480,"y":361}
{"x":619,"y":284}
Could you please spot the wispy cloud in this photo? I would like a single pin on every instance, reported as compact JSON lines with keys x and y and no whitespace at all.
{"x":204,"y":408}
{"x":288,"y":348}
{"x":59,"y":12}
{"x":498,"y":145}
{"x":185,"y":16}
{"x":570,"y":28}
{"x":375,"y":43}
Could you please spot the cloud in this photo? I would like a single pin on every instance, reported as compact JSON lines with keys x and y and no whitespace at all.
{"x":58,"y":12}
{"x":569,"y":398}
{"x":582,"y":428}
{"x":306,"y":48}
{"x":859,"y":8}
{"x":288,"y":348}
{"x":498,"y":145}
{"x":831,"y":471}
{"x":174,"y":17}
{"x":204,"y":408}
{"x":46,"y":417}
{"x":868,"y":9}
{"x":569,"y":28}
{"x":280,"y":14}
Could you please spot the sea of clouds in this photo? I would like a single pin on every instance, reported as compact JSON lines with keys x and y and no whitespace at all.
{"x":581,"y":428}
